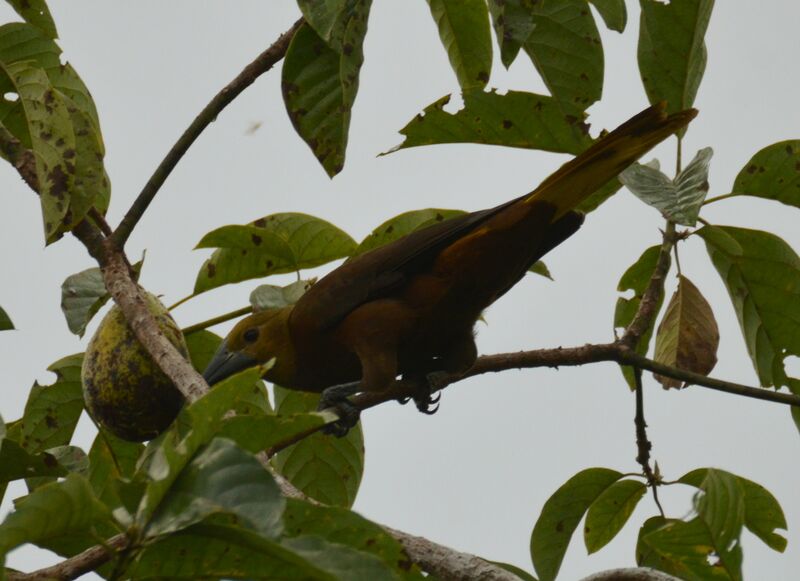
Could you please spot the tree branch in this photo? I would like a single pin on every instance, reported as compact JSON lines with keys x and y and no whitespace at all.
{"x":262,"y":63}
{"x":633,"y":574}
{"x":74,"y":567}
{"x":643,"y":445}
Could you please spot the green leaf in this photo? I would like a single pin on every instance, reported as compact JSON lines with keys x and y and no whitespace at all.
{"x":221,"y":478}
{"x":773,"y":173}
{"x":688,"y":336}
{"x":52,"y":511}
{"x":52,"y":140}
{"x":167,"y":456}
{"x":762,"y":511}
{"x":402,"y":225}
{"x":268,"y":296}
{"x":520,"y":573}
{"x":646,"y":556}
{"x":52,"y":411}
{"x":672,"y":51}
{"x":345,"y":527}
{"x":721,"y":509}
{"x":320,"y":83}
{"x":202,"y":346}
{"x":17,"y":463}
{"x":330,"y":19}
{"x":613,"y":13}
{"x":111,"y":459}
{"x":275,"y":244}
{"x":678,"y":200}
{"x":82,"y":295}
{"x":560,"y":516}
{"x":340,"y":560}
{"x":5,"y":321}
{"x":762,"y":275}
{"x":325,"y":468}
{"x":212,"y":551}
{"x":565,"y":48}
{"x":636,"y":279}
{"x":257,"y":433}
{"x":464,"y":30}
{"x":609,"y":513}
{"x":513,"y":23}
{"x":36,"y":13}
{"x":515,"y":119}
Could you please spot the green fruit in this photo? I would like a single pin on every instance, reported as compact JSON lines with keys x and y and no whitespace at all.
{"x":124,"y":390}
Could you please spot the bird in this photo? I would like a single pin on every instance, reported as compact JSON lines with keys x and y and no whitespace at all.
{"x":408,"y":309}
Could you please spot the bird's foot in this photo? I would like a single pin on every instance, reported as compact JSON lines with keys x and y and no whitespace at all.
{"x":336,"y":397}
{"x":423,"y":396}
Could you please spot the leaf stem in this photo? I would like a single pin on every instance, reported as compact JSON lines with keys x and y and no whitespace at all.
{"x":217,"y":320}
{"x":183,"y":300}
{"x":721,"y":197}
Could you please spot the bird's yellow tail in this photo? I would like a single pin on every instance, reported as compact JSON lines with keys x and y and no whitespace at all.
{"x":580,"y":177}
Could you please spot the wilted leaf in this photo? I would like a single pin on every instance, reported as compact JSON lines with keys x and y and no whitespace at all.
{"x":515,"y":119}
{"x":679,"y":200}
{"x":5,"y":321}
{"x":565,"y":48}
{"x":762,"y":511}
{"x":37,"y":13}
{"x":762,"y":275}
{"x":275,"y":244}
{"x":513,"y":23}
{"x":773,"y":173}
{"x":688,"y":336}
{"x":325,"y":468}
{"x":269,"y":296}
{"x":320,"y":83}
{"x":221,"y":478}
{"x":636,"y":279}
{"x":613,"y":13}
{"x":609,"y":513}
{"x":672,"y":51}
{"x":464,"y":30}
{"x":403,"y":224}
{"x":560,"y":516}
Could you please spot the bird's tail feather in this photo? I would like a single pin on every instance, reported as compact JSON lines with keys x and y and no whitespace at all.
{"x":580,"y":177}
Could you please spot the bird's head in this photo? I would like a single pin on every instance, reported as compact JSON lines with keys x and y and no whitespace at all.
{"x":254,"y":340}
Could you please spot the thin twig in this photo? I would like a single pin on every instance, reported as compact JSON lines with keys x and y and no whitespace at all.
{"x":262,"y":63}
{"x":643,"y":445}
{"x":217,"y":320}
{"x":721,"y":197}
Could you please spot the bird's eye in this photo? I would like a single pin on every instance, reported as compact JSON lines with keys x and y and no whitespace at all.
{"x":251,"y":335}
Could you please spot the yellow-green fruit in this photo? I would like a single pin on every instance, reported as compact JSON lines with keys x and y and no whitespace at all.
{"x":125,"y":392}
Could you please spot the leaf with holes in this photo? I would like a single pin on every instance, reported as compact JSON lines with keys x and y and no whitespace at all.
{"x":678,"y":200}
{"x":5,"y":321}
{"x":688,"y":336}
{"x":772,"y":173}
{"x":320,"y":83}
{"x":762,"y":275}
{"x":275,"y":244}
{"x":221,"y":478}
{"x":762,"y":511}
{"x":513,"y":23}
{"x":636,"y":279}
{"x":672,"y":50}
{"x":516,"y":119}
{"x":613,"y":13}
{"x":464,"y":31}
{"x":560,"y":517}
{"x":565,"y":48}
{"x":609,"y":513}
{"x":37,"y":13}
{"x":326,"y":469}
{"x":269,"y":296}
{"x":52,"y":411}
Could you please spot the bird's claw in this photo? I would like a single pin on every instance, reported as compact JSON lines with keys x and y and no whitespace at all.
{"x":428,"y":404}
{"x":336,"y":398}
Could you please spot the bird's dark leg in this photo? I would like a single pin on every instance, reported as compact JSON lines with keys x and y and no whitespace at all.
{"x":335,"y":397}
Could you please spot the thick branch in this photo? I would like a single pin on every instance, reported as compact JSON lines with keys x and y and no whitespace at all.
{"x":262,"y":63}
{"x":634,"y":574}
{"x":74,"y":567}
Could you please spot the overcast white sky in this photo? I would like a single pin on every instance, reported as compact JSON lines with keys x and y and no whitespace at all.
{"x":475,"y":475}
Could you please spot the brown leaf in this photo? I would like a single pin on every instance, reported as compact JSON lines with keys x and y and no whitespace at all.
{"x":688,"y":336}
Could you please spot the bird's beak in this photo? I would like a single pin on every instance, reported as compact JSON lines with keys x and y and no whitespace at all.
{"x":225,"y":363}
